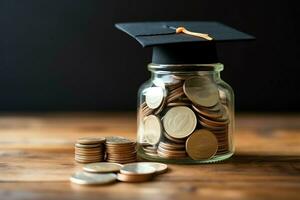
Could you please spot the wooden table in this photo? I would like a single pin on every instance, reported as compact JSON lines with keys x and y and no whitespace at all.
{"x":36,"y":160}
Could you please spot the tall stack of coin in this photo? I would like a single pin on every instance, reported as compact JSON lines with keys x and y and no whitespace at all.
{"x":216,"y":120}
{"x":89,"y":150}
{"x":186,"y":107}
{"x":120,"y":150}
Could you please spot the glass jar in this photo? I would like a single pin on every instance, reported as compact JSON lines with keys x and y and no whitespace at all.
{"x":185,"y":115}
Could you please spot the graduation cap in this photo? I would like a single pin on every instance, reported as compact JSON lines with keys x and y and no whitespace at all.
{"x":182,"y":42}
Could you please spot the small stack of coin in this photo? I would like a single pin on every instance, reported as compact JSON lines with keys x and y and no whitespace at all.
{"x":175,"y":93}
{"x":89,"y":150}
{"x":120,"y":150}
{"x":171,"y":150}
{"x":149,"y":150}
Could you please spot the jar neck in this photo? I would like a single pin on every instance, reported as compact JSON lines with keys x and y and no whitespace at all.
{"x":209,"y":70}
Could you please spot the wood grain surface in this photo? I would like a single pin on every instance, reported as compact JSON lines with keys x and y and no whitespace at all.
{"x":36,"y":160}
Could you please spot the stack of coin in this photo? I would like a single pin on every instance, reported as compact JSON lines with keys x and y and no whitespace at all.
{"x":120,"y":150}
{"x":150,"y":150}
{"x":171,"y":150}
{"x":215,"y":119}
{"x":190,"y":104}
{"x":205,"y":99}
{"x":89,"y":150}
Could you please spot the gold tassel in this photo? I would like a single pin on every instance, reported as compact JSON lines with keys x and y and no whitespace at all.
{"x":201,"y":35}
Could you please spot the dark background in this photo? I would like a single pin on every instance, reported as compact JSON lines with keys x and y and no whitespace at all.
{"x":67,"y":55}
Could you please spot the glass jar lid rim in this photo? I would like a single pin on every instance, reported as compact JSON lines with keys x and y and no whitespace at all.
{"x":186,"y":67}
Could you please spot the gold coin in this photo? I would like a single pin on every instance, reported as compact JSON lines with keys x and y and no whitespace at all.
{"x":170,"y":156}
{"x":87,"y":145}
{"x":201,"y":91}
{"x":172,"y":146}
{"x":202,"y":144}
{"x":121,"y":161}
{"x":91,"y":140}
{"x":171,"y":104}
{"x":179,"y":141}
{"x":137,"y":168}
{"x":121,"y":156}
{"x":152,"y":130}
{"x":88,"y":157}
{"x":154,"y":96}
{"x":207,"y":113}
{"x":213,"y":122}
{"x":102,"y":167}
{"x":179,"y":122}
{"x":212,"y":127}
{"x":172,"y":152}
{"x":175,"y":96}
{"x":85,"y":178}
{"x":134,"y":178}
{"x":88,"y":161}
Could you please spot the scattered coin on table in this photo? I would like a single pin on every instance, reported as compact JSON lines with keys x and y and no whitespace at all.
{"x":102,"y":167}
{"x":85,"y":178}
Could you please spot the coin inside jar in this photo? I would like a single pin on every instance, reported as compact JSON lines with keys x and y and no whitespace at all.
{"x":201,"y":91}
{"x":85,"y":178}
{"x":102,"y":167}
{"x":154,"y":97}
{"x":152,"y":129}
{"x":179,"y":122}
{"x":202,"y":144}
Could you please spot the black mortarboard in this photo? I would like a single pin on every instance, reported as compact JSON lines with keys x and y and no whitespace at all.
{"x":170,"y":47}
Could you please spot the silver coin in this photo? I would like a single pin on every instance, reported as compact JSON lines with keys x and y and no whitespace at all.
{"x":102,"y":167}
{"x":154,"y":97}
{"x":201,"y":91}
{"x":91,"y":140}
{"x":137,"y":168}
{"x":152,"y":129}
{"x":179,"y":122}
{"x":159,"y":167}
{"x":85,"y":178}
{"x":117,"y":140}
